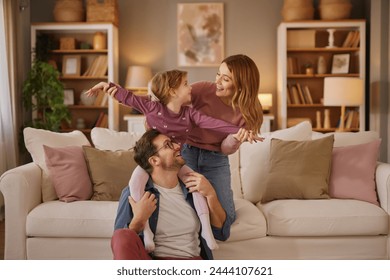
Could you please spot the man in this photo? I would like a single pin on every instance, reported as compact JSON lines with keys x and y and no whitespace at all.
{"x":168,"y":201}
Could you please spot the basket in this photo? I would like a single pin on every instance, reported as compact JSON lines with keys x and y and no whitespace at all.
{"x":68,"y":11}
{"x":335,"y":11}
{"x":103,"y":11}
{"x":293,"y":14}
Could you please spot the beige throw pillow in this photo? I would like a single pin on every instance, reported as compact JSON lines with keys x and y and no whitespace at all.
{"x":109,"y":171}
{"x":299,"y":169}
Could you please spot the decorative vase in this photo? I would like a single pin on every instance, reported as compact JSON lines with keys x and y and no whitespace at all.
{"x":318,"y":119}
{"x":99,"y":41}
{"x":321,"y":65}
{"x":326,"y":118}
{"x":87,"y":100}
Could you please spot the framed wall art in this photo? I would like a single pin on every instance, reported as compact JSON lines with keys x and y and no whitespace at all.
{"x":200,"y":34}
{"x":71,"y":65}
{"x":340,"y":63}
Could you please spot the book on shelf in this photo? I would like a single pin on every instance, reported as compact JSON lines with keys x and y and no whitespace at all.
{"x":292,"y":65}
{"x":98,"y":67}
{"x":300,"y":92}
{"x":99,"y":119}
{"x":99,"y":98}
{"x":352,"y":40}
{"x":307,"y":94}
{"x":356,"y":40}
{"x":102,"y":120}
{"x":295,"y":95}
{"x":288,"y":95}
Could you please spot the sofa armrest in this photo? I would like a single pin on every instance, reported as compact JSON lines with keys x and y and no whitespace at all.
{"x":21,"y":188}
{"x":382,"y":178}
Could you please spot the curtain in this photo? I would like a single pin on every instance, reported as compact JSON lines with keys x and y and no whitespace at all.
{"x":8,"y":131}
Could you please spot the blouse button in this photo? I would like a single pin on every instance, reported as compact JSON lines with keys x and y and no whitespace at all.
{"x":154,"y":127}
{"x":165,"y":126}
{"x":159,"y":113}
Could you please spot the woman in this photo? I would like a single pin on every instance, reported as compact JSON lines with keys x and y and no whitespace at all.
{"x":233,"y":98}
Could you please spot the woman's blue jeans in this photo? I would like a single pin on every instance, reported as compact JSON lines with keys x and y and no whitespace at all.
{"x":215,"y":167}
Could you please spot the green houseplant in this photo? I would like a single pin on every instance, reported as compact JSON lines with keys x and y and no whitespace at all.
{"x":43,"y":92}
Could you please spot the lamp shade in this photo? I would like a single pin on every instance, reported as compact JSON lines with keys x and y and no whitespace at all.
{"x":342,"y":91}
{"x":138,"y":77}
{"x":265,"y":99}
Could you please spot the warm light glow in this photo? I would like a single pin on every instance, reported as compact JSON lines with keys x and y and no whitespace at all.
{"x":265,"y":100}
{"x":138,"y":77}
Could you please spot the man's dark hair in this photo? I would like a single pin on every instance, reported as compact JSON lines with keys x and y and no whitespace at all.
{"x":144,"y":149}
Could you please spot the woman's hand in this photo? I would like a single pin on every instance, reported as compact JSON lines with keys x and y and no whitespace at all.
{"x":244,"y":135}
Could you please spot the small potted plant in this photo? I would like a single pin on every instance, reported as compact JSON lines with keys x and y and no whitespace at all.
{"x":309,"y":70}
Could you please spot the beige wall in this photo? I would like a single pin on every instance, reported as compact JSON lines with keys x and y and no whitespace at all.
{"x":147,"y":33}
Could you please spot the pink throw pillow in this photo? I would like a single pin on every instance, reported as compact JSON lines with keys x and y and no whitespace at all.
{"x":68,"y":172}
{"x":353,"y":172}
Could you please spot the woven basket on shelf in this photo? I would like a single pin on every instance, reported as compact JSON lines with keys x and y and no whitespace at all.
{"x":103,"y":11}
{"x":69,"y":11}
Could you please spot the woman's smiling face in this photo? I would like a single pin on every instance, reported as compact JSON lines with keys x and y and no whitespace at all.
{"x":224,"y":82}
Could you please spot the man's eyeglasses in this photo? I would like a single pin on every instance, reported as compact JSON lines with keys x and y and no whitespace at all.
{"x":168,"y":144}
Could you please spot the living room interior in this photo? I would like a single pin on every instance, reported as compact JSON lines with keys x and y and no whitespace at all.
{"x":147,"y":36}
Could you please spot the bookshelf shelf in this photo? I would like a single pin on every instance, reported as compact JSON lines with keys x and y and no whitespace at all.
{"x":105,"y":69}
{"x":301,"y":44}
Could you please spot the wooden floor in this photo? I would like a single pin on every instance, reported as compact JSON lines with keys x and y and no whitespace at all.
{"x":2,"y":233}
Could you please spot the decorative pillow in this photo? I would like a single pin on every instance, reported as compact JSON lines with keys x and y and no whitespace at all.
{"x":353,"y":172}
{"x":299,"y":169}
{"x":349,"y":138}
{"x":254,"y":159}
{"x":105,"y":139}
{"x":68,"y":173}
{"x":34,"y":140}
{"x":109,"y":171}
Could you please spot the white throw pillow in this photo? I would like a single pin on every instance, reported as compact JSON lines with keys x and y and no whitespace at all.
{"x":34,"y":140}
{"x":110,"y":140}
{"x":254,"y":159}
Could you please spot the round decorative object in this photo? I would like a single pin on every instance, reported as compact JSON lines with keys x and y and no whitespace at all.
{"x":87,"y":100}
{"x":297,"y":3}
{"x":69,"y":11}
{"x":99,"y":41}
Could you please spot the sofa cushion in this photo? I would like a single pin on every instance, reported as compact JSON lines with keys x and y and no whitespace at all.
{"x":68,"y":173}
{"x":353,"y":172}
{"x":34,"y":140}
{"x":254,"y":159}
{"x":250,"y":222}
{"x":106,"y":139}
{"x":77,"y":219}
{"x":110,"y":172}
{"x":299,"y":169}
{"x":325,"y":217}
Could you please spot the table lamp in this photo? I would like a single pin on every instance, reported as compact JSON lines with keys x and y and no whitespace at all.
{"x":343,"y":91}
{"x":138,"y":77}
{"x":265,"y":101}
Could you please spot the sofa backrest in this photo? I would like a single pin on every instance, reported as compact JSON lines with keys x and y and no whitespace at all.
{"x":250,"y":165}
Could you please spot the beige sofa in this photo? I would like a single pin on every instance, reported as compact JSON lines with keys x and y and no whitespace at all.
{"x":280,"y":229}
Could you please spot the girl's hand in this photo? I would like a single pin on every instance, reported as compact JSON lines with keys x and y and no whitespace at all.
{"x":102,"y":86}
{"x":196,"y":182}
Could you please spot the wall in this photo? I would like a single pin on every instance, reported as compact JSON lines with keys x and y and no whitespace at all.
{"x":147,"y":34}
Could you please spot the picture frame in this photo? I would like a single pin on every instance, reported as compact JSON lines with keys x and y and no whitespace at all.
{"x":200,"y":34}
{"x":69,"y":96}
{"x":340,"y":63}
{"x":71,"y":65}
